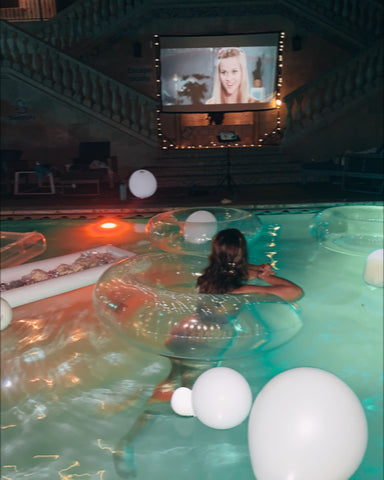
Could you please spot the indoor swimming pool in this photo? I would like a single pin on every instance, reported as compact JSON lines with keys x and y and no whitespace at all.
{"x":72,"y":390}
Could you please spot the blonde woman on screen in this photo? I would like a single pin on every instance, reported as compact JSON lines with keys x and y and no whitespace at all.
{"x":231,"y":78}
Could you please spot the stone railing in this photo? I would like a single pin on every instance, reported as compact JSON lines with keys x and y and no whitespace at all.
{"x":63,"y":77}
{"x":361,"y":22}
{"x":85,"y":21}
{"x":309,"y":106}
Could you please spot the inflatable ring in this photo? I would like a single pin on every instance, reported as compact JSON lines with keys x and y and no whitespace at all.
{"x":190,"y":231}
{"x":18,"y":248}
{"x":354,"y":230}
{"x":150,"y":300}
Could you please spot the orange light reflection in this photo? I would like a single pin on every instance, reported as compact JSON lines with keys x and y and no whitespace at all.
{"x":108,"y":228}
{"x":47,"y":456}
{"x":108,"y":225}
{"x":76,"y":336}
{"x":32,"y":339}
{"x":65,"y":477}
{"x":14,"y":467}
{"x":104,"y":448}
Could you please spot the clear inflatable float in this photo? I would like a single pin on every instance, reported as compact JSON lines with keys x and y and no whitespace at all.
{"x":190,"y":231}
{"x":17,"y":248}
{"x":351,"y":229}
{"x":151,"y":301}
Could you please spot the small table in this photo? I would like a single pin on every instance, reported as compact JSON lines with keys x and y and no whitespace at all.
{"x":27,"y":173}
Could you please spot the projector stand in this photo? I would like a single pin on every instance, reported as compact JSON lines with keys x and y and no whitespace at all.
{"x":227,"y":180}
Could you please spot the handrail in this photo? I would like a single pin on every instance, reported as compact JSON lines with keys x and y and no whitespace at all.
{"x":89,"y":89}
{"x":87,"y":20}
{"x":360,"y":22}
{"x":80,"y":85}
{"x":308,"y":105}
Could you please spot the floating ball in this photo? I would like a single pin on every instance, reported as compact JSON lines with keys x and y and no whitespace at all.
{"x":305,"y":424}
{"x":373,"y":270}
{"x":200,"y":227}
{"x":181,"y":402}
{"x":142,"y":184}
{"x":221,"y":398}
{"x":6,"y":314}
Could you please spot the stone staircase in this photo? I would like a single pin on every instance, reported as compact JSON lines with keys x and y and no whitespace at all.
{"x":70,"y":81}
{"x":319,"y":102}
{"x":46,"y":56}
{"x":353,"y":23}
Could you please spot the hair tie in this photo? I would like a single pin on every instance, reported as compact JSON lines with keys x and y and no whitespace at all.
{"x":230,"y":268}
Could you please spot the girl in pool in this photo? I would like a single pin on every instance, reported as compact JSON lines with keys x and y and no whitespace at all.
{"x":230,"y":83}
{"x":227,"y":272}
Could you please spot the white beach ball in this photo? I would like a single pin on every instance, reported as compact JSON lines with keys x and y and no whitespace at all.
{"x":221,"y":398}
{"x":6,"y":314}
{"x":305,"y":424}
{"x":142,"y":184}
{"x":200,"y":227}
{"x":373,"y":270}
{"x":181,"y":402}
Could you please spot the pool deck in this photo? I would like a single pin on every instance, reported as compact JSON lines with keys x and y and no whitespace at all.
{"x":255,"y":197}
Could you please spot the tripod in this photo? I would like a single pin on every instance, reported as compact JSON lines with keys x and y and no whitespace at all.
{"x":227,"y":181}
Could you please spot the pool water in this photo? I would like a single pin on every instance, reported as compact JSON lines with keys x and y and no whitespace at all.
{"x":72,"y":390}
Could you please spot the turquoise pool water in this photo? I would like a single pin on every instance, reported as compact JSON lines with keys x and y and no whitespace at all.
{"x":71,"y":390}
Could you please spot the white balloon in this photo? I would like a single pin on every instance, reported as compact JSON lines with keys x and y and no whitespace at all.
{"x":200,"y":227}
{"x":221,"y":398}
{"x":373,"y":270}
{"x":6,"y":314}
{"x":306,"y":424}
{"x":142,"y":184}
{"x":181,"y":402}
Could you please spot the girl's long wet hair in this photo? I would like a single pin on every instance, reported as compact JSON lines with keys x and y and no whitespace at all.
{"x":228,"y":263}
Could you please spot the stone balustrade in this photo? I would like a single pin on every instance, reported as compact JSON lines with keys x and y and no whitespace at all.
{"x":61,"y":75}
{"x":310,"y":105}
{"x":345,"y":16}
{"x":45,"y":62}
{"x":86,"y":20}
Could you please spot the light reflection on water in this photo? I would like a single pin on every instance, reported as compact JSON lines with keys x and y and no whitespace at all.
{"x":62,"y":373}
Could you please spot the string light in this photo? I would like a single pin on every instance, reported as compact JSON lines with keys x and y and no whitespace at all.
{"x":168,"y":144}
{"x":279,"y":76}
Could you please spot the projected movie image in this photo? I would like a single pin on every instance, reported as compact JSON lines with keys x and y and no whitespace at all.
{"x":225,"y":73}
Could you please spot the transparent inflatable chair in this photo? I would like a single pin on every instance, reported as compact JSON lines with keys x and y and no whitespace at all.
{"x":18,"y":248}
